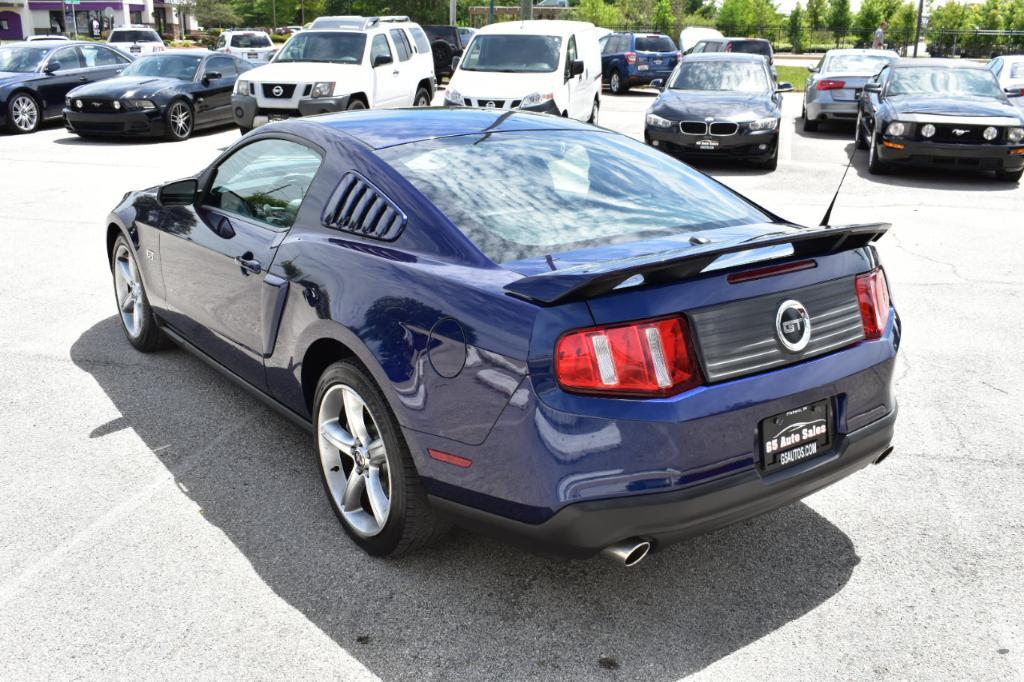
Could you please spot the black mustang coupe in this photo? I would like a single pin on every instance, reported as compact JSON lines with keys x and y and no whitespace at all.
{"x":943,"y":113}
{"x":168,"y":94}
{"x":719,"y":104}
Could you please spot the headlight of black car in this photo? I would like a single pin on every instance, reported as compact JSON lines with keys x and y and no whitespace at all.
{"x":140,"y":104}
{"x":896,"y":129}
{"x":658,"y":122}
{"x":760,"y":124}
{"x":1015,"y":135}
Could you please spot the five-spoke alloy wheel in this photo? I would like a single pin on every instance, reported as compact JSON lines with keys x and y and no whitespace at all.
{"x":23,"y":113}
{"x":132,"y":304}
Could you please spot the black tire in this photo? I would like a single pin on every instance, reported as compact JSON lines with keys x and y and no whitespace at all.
{"x":355,"y":105}
{"x":422,"y":98}
{"x":443,"y":54}
{"x":23,"y":113}
{"x":411,"y":522}
{"x":147,"y":337}
{"x":1009,"y":176}
{"x":772,"y":162}
{"x":244,"y":130}
{"x":595,"y":112}
{"x":858,"y":133}
{"x":617,"y":84}
{"x":174,"y":132}
{"x":875,"y":165}
{"x":809,"y":125}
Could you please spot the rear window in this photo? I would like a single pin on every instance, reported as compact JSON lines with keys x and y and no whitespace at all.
{"x":760,"y":47}
{"x":250,"y":40}
{"x":134,"y":37}
{"x":857,"y":63}
{"x":568,"y":190}
{"x":654,"y":44}
{"x":448,"y":34}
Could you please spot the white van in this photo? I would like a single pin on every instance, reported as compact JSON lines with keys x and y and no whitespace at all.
{"x":547,"y":66}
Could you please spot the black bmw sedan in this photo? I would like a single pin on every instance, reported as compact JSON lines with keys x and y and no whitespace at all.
{"x":941,"y":113}
{"x":719,"y":105}
{"x":168,"y":94}
{"x":35,"y":76}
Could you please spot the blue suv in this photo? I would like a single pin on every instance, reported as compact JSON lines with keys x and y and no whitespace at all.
{"x":636,"y":59}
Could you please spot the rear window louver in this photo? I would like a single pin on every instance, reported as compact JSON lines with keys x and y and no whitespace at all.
{"x":360,"y":208}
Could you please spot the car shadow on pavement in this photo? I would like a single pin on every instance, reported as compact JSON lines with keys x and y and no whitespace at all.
{"x":931,"y":178}
{"x":471,"y":606}
{"x":106,"y":140}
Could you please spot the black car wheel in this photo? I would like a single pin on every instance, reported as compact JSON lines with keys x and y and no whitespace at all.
{"x":355,"y":105}
{"x":858,"y":133}
{"x":367,"y":471}
{"x":617,"y":84}
{"x":179,"y":121}
{"x":809,"y":125}
{"x":23,"y":115}
{"x":422,"y":98}
{"x":875,"y":165}
{"x":1009,"y":176}
{"x":595,"y":112}
{"x":772,"y":162}
{"x":133,"y":307}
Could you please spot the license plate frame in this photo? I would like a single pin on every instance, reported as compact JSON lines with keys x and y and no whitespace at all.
{"x":707,"y":144}
{"x":796,"y":436}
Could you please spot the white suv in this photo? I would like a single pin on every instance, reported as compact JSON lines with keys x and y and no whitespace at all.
{"x":374,"y":63}
{"x":136,"y":40}
{"x":256,"y":46}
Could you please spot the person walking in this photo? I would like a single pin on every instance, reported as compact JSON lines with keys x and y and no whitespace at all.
{"x":879,"y":41}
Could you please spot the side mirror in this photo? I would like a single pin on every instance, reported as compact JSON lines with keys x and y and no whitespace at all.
{"x":180,"y":193}
{"x":873,"y":87}
{"x":212,"y":76}
{"x":1014,"y":92}
{"x":381,"y":60}
{"x":784,"y":87}
{"x":658,"y":83}
{"x":577,"y":68}
{"x":812,"y":69}
{"x":51,"y":67}
{"x":455,"y":63}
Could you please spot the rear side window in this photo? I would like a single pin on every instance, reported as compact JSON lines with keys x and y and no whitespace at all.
{"x":654,"y":44}
{"x":422,"y":44}
{"x":250,"y":40}
{"x":401,"y":44}
{"x":570,"y":191}
{"x":265,"y":181}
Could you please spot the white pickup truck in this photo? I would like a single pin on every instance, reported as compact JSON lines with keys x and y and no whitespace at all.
{"x":377,"y":63}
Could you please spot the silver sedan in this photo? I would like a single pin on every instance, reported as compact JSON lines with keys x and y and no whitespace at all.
{"x":835,"y":84}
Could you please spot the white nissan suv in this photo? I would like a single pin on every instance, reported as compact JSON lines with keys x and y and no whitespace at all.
{"x":373,"y":63}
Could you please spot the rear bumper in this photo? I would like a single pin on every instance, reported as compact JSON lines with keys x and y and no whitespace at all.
{"x":828,"y":110}
{"x":980,"y":157}
{"x":637,"y":77}
{"x":131,"y":123}
{"x":583,"y":529}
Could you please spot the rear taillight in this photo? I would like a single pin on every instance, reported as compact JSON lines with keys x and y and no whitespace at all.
{"x":679,"y":55}
{"x":828,"y":84}
{"x":646,"y":358}
{"x":873,"y":294}
{"x":728,"y":47}
{"x":631,"y":57}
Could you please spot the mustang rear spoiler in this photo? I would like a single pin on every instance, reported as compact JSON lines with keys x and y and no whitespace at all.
{"x":593,"y":279}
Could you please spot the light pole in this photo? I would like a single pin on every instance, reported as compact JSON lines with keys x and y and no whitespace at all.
{"x":920,"y":17}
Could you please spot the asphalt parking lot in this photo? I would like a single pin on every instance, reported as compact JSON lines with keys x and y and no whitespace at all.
{"x":157,"y":522}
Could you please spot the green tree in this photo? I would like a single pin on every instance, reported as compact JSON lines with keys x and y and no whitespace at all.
{"x":839,"y":17}
{"x":733,"y":16}
{"x":664,"y":19}
{"x":903,"y":23}
{"x":215,"y":14}
{"x":816,"y":10}
{"x":796,"y":29}
{"x":598,"y":12}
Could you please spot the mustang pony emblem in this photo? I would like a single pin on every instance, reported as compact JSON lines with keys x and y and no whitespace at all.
{"x":960,"y":131}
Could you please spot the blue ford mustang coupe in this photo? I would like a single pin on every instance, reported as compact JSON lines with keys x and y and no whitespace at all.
{"x":483,"y":317}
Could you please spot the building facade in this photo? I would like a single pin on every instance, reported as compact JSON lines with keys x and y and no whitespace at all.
{"x":22,"y":18}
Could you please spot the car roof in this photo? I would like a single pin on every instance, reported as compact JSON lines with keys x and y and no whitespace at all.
{"x":724,"y":57}
{"x":192,"y":52}
{"x":731,"y":39}
{"x":938,"y":63}
{"x":49,"y":43}
{"x":379,"y":128}
{"x":861,"y":50}
{"x":545,"y":27}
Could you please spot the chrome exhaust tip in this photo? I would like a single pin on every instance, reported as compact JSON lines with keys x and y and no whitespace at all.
{"x":885,"y":454}
{"x":627,"y":552}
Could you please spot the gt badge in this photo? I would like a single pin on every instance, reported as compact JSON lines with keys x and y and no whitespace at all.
{"x":793,"y":326}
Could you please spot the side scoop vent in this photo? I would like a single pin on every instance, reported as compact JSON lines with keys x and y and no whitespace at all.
{"x":360,"y":208}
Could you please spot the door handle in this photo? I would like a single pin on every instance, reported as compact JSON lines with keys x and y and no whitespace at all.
{"x":394,"y":73}
{"x":249,"y":264}
{"x":82,"y":79}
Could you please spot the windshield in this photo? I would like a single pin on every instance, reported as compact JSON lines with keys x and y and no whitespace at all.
{"x":654,"y":44}
{"x":720,"y":75}
{"x":570,"y":190}
{"x":134,"y":37}
{"x":512,"y":54}
{"x":760,"y":47}
{"x":857,"y":63}
{"x":22,"y":59}
{"x":335,"y":47}
{"x":250,"y":40}
{"x":178,"y":66}
{"x":947,"y":82}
